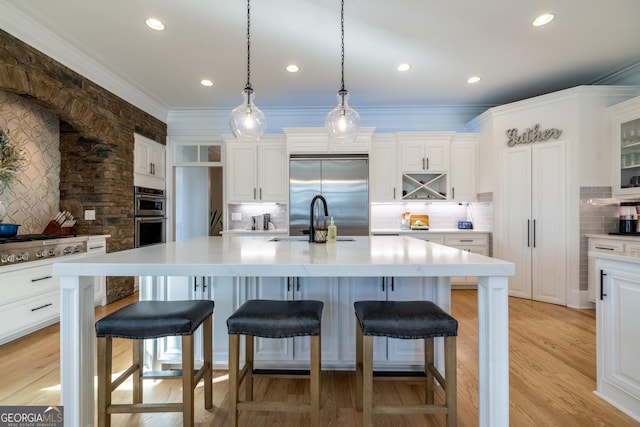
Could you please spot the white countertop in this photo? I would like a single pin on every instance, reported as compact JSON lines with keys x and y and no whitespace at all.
{"x":406,"y":231}
{"x":243,"y":232}
{"x":631,"y":257}
{"x":258,"y":256}
{"x":628,"y":238}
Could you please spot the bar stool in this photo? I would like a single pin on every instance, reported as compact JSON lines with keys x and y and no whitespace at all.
{"x":154,"y":319}
{"x":272,"y":319}
{"x":405,"y":320}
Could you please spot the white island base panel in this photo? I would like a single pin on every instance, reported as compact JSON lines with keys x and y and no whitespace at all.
{"x":617,"y":331}
{"x":389,"y":256}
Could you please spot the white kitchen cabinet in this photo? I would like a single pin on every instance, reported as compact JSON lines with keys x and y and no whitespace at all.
{"x":314,"y":140}
{"x":29,"y":300}
{"x":387,"y":352}
{"x":625,"y":139}
{"x":464,"y":167}
{"x":424,"y":151}
{"x":602,"y":245}
{"x":257,"y":172}
{"x":618,"y":335}
{"x":221,"y":290}
{"x":286,"y":352}
{"x":30,"y":294}
{"x":476,"y":242}
{"x":532,"y":220}
{"x":384,"y":176}
{"x":425,"y":165}
{"x":149,"y":163}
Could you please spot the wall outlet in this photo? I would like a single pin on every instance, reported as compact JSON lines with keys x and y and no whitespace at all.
{"x":236,"y":216}
{"x":90,"y":215}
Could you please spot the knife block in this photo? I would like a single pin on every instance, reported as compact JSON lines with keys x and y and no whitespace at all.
{"x":54,"y":228}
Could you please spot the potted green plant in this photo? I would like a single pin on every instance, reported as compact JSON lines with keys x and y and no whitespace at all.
{"x":11,"y":158}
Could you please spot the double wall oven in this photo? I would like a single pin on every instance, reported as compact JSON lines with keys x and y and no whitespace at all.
{"x":150,"y":217}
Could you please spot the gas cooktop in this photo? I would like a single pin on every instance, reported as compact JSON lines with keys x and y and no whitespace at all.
{"x":32,"y":247}
{"x":32,"y":237}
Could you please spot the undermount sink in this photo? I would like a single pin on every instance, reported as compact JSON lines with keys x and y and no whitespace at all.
{"x":306,"y":239}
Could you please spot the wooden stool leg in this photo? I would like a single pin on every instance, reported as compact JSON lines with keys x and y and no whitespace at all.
{"x":104,"y":381}
{"x":248,"y":382}
{"x":450,"y":380}
{"x":428,"y":370}
{"x":207,"y":345}
{"x":187,"y":381}
{"x":138,"y":364}
{"x":367,"y":389}
{"x":316,"y":349}
{"x":234,"y":367}
{"x":358,"y":366}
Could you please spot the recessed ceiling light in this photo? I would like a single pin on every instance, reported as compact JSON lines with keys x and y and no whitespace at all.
{"x":403,"y":67}
{"x":293,"y":68}
{"x":543,"y":19}
{"x":206,"y":82}
{"x":154,"y":24}
{"x":472,"y":80}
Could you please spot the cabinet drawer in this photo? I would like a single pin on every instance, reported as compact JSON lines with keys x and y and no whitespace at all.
{"x":96,"y":247}
{"x":596,"y":245}
{"x":23,"y":283}
{"x":23,"y":317}
{"x":466,"y":240}
{"x":426,"y":236}
{"x":480,"y":250}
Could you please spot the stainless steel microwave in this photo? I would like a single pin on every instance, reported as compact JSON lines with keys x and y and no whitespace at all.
{"x":149,"y":202}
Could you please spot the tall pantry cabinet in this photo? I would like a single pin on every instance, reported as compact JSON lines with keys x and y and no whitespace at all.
{"x":534,"y":219}
{"x":535,"y":185}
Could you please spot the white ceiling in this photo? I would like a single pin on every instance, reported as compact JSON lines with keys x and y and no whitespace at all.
{"x":445,"y":41}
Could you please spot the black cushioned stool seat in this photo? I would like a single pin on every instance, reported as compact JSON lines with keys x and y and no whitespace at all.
{"x":155,"y":319}
{"x":273,"y":319}
{"x":405,"y":320}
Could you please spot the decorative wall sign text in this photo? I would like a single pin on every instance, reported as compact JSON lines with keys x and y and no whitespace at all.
{"x":531,"y":135}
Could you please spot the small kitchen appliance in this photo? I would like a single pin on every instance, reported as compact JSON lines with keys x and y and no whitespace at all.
{"x":628,"y":220}
{"x":419,"y":222}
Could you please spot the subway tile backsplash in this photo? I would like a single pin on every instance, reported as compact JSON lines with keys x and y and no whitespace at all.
{"x":442,"y":215}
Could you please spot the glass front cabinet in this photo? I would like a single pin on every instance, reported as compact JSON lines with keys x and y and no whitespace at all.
{"x":625,"y":139}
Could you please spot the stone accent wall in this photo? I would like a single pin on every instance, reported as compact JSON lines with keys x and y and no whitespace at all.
{"x":96,"y":142}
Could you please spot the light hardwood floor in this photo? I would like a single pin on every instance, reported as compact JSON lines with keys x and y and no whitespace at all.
{"x":552,"y":376}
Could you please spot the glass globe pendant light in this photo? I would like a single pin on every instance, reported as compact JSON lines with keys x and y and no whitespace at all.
{"x":343,"y":122}
{"x":246,"y":120}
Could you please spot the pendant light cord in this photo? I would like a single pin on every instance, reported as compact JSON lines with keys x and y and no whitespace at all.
{"x":248,"y":87}
{"x":342,"y":89}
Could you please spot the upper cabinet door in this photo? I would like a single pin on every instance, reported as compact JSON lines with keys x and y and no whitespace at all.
{"x":149,"y":163}
{"x":257,"y":172}
{"x":384,"y":185}
{"x":273,"y":173}
{"x":241,"y":172}
{"x":464,"y":168}
{"x":425,"y":151}
{"x":625,"y":140}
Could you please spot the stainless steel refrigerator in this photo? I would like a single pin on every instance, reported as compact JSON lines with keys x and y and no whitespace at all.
{"x":344,"y":183}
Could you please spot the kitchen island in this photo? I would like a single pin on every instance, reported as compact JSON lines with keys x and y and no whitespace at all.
{"x":362,"y":257}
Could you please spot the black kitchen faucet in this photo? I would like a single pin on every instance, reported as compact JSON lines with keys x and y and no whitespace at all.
{"x":326,"y":213}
